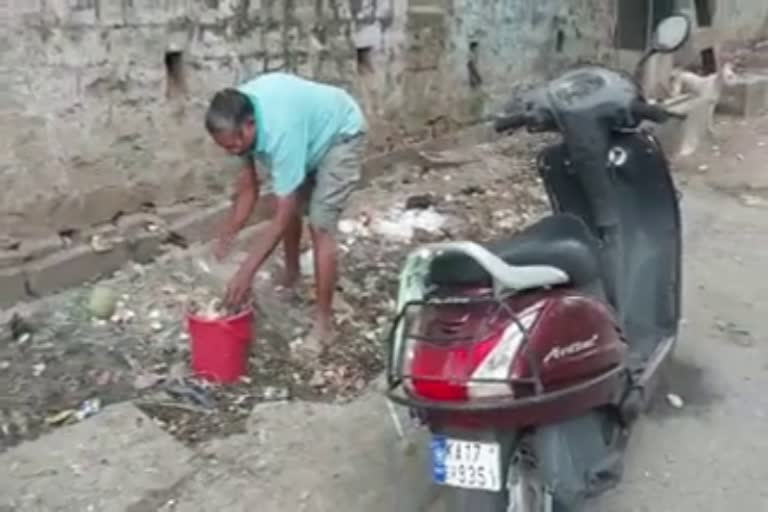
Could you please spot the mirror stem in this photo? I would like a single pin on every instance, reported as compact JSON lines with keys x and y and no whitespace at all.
{"x":641,"y":66}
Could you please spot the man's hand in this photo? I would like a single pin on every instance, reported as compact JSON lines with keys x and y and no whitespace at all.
{"x":240,"y":286}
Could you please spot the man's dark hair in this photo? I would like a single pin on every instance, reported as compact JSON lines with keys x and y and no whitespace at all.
{"x":228,"y":111}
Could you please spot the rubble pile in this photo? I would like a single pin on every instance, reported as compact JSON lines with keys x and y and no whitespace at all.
{"x":125,"y":338}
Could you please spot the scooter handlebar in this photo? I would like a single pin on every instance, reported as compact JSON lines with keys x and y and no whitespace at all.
{"x":508,"y":122}
{"x":654,"y":113}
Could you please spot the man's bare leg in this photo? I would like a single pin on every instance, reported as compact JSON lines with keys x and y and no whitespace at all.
{"x":292,"y":247}
{"x":326,"y":268}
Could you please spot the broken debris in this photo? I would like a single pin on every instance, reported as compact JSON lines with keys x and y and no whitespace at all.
{"x":675,"y":401}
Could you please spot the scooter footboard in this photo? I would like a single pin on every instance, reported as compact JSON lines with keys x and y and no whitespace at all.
{"x":579,"y":458}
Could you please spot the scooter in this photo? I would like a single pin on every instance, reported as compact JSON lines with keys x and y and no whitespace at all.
{"x":529,"y":359}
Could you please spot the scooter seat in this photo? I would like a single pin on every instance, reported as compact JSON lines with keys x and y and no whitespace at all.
{"x":562,"y":241}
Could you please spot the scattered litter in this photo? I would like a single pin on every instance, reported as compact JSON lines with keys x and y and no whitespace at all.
{"x":38,"y":369}
{"x":402,"y":225}
{"x":204,"y":266}
{"x":99,"y":244}
{"x":347,"y":226}
{"x":60,"y":417}
{"x":122,"y":314}
{"x":472,"y":190}
{"x":753,"y":201}
{"x":178,"y":371}
{"x":275,"y":394}
{"x":420,"y":202}
{"x":177,"y":283}
{"x":105,"y":377}
{"x":193,"y":393}
{"x":102,"y":302}
{"x":19,"y":327}
{"x":24,"y":338}
{"x":736,"y":334}
{"x":307,"y":263}
{"x":317,"y":380}
{"x":675,"y":401}
{"x":703,"y":167}
{"x":88,"y":408}
{"x":146,"y":380}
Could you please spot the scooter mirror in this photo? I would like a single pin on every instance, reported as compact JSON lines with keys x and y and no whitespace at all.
{"x":671,"y":33}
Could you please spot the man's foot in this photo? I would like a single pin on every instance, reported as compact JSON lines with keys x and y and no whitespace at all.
{"x":319,"y":338}
{"x":286,"y":286}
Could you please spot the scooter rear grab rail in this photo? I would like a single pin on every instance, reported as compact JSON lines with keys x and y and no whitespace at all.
{"x":396,"y":378}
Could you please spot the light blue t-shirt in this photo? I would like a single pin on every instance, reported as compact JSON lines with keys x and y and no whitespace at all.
{"x":297,"y":122}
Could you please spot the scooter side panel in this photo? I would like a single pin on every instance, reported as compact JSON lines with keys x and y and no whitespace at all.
{"x":575,"y":339}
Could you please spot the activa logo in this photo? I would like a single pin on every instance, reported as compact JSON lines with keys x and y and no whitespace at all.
{"x":562,"y":351}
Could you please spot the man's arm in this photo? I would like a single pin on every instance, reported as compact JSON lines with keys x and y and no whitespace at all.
{"x":244,"y":200}
{"x":290,"y":163}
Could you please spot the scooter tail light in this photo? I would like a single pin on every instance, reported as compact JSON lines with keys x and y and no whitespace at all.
{"x":469,"y":370}
{"x":492,"y":377}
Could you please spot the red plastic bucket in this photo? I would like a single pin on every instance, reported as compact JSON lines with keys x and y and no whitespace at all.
{"x":220,"y":347}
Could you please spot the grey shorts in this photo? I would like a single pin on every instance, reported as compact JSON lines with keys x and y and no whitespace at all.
{"x":327,"y":190}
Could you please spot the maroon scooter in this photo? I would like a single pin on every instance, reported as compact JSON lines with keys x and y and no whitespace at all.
{"x":530,"y":358}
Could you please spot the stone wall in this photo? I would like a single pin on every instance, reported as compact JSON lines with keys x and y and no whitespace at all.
{"x":102,"y":99}
{"x":101,"y":102}
{"x":740,"y":21}
{"x":465,"y":57}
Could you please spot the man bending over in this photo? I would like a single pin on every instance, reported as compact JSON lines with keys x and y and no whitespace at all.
{"x":311,"y":138}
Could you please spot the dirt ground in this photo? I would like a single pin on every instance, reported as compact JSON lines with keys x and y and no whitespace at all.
{"x":58,"y":363}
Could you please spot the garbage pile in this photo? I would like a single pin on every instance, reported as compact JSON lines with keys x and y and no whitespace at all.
{"x":125,"y":337}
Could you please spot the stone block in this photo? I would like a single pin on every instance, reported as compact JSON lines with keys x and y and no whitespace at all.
{"x":41,"y":247}
{"x":113,"y":462}
{"x":747,"y":96}
{"x":30,"y":250}
{"x":13,"y":287}
{"x":277,"y":438}
{"x":73,"y":266}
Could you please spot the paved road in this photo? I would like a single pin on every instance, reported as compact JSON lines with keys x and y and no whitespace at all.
{"x":709,"y":456}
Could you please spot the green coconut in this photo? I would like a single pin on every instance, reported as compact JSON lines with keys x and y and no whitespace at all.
{"x":102,"y":302}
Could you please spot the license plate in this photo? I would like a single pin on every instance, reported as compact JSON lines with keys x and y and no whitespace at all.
{"x":466,"y":464}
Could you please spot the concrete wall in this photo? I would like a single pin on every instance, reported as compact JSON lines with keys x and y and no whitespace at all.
{"x":90,"y":124}
{"x":742,"y":20}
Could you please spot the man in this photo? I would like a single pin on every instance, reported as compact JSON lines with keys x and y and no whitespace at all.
{"x":311,"y":138}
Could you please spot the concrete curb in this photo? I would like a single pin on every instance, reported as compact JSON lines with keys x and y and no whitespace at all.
{"x":47,"y":266}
